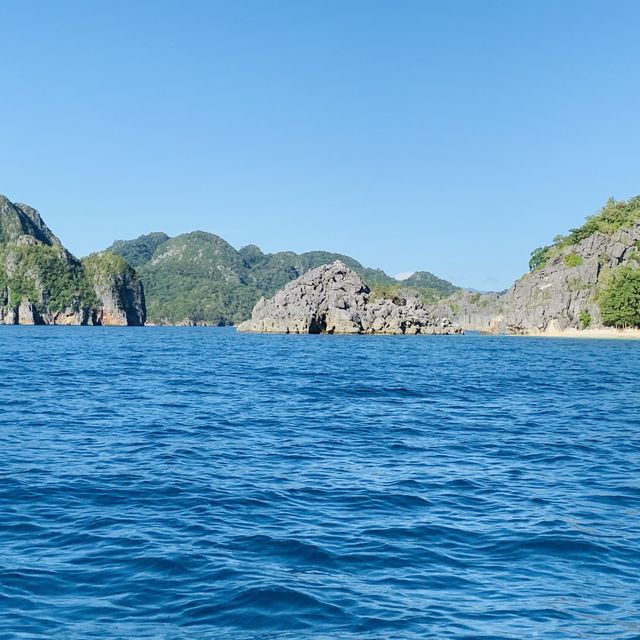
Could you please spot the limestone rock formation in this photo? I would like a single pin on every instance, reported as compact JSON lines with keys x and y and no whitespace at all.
{"x":552,"y":298}
{"x":42,"y":283}
{"x":471,"y":310}
{"x":334,"y":299}
{"x":555,"y":296}
{"x":118,"y":290}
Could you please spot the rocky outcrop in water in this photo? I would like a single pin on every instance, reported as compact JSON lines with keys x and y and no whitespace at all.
{"x":334,"y":299}
{"x":42,"y":283}
{"x":118,"y":289}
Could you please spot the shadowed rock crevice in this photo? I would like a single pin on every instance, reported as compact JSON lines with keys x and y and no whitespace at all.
{"x":318,"y":324}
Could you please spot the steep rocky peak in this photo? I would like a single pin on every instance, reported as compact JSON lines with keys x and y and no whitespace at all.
{"x":21,"y":220}
{"x":38,"y":223}
{"x":328,"y":278}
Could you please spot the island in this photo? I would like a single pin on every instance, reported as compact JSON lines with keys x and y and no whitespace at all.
{"x":334,"y":299}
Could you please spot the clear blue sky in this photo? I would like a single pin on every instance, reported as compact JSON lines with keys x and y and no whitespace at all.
{"x":451,"y":136}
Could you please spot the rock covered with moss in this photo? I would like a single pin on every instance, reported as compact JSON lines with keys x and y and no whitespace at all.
{"x":334,"y":299}
{"x":42,"y":283}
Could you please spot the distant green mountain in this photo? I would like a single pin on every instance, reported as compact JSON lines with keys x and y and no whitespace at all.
{"x":200,"y":278}
{"x":431,"y":286}
{"x":141,"y":250}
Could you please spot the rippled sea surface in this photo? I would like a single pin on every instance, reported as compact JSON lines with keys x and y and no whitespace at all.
{"x":198,"y":483}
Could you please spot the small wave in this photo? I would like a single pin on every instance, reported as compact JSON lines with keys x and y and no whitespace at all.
{"x":205,"y":484}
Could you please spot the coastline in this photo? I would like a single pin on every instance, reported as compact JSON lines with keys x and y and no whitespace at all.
{"x":588,"y":334}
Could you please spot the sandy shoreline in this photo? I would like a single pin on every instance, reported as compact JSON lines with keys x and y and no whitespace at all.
{"x":590,"y":334}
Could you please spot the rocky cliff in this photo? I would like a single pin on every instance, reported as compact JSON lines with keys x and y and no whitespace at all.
{"x":42,"y":283}
{"x":472,"y":311}
{"x":334,"y":299}
{"x":117,"y":288}
{"x":562,"y":290}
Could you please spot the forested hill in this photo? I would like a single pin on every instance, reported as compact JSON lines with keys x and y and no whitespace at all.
{"x":200,"y":278}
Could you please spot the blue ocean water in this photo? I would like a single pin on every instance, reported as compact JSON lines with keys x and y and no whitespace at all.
{"x":199,"y":483}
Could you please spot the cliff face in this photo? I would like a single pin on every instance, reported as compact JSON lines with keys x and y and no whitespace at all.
{"x":560,"y":293}
{"x":117,"y":288}
{"x":42,"y":283}
{"x":470,"y":310}
{"x":334,"y":299}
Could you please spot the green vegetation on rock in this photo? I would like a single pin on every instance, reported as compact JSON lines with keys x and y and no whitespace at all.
{"x":618,"y":297}
{"x":106,"y":265}
{"x":585,"y":319}
{"x":615,"y":215}
{"x":45,"y":275}
{"x":140,"y":250}
{"x":572,"y":260}
{"x":38,"y":272}
{"x":539,"y":258}
{"x":391,"y":292}
{"x":111,"y":272}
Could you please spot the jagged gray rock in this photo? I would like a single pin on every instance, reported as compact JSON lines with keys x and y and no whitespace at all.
{"x":19,"y":220}
{"x":470,"y":310}
{"x":334,"y":299}
{"x":554,"y":297}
